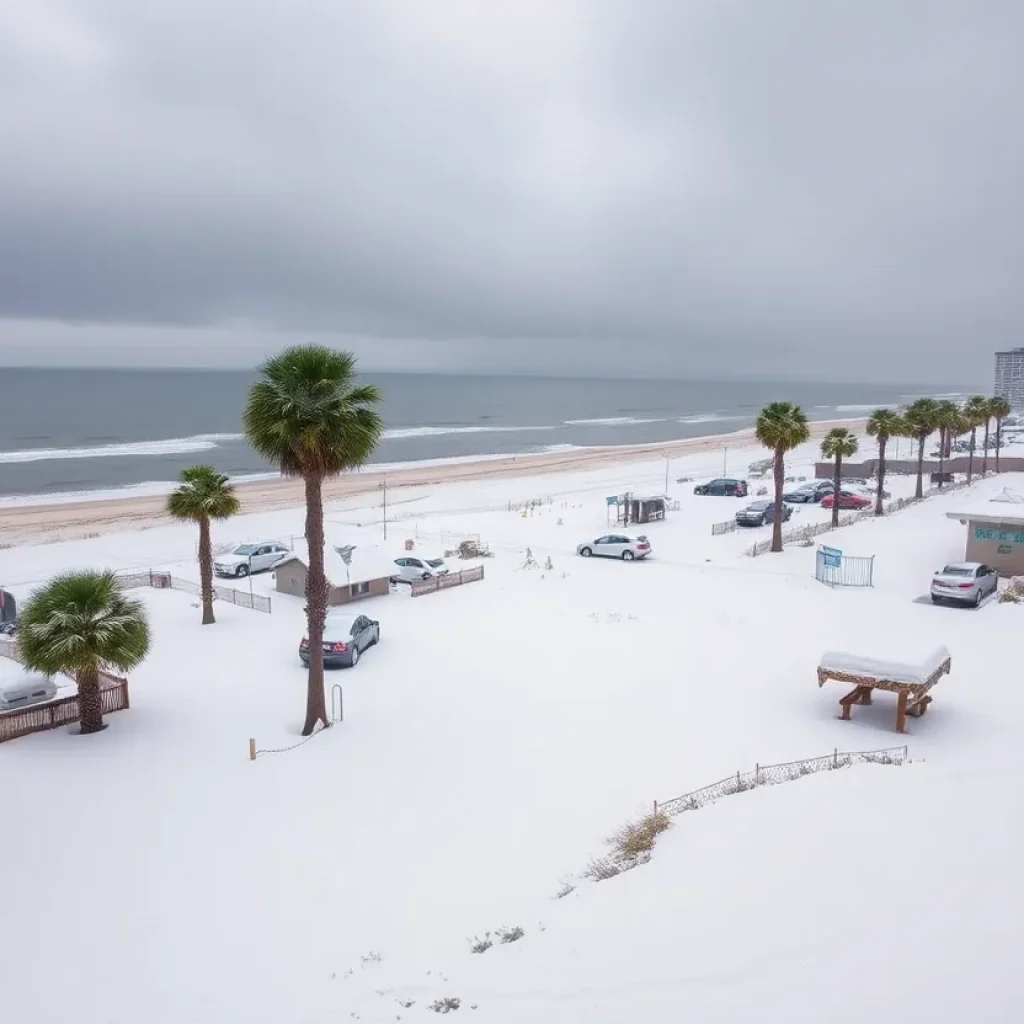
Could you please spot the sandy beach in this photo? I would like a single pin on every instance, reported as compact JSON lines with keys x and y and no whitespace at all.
{"x":70,"y":520}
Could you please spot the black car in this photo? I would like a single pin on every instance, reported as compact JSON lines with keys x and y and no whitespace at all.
{"x":761,"y":513}
{"x":724,"y":486}
{"x":346,"y":637}
{"x":809,"y":493}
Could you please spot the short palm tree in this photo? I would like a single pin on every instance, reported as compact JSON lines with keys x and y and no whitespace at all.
{"x":1000,"y":409}
{"x":976,"y":413}
{"x":947,"y":419}
{"x":80,"y":624}
{"x":883,"y":425}
{"x":920,"y":418}
{"x":782,"y":426}
{"x":309,"y":415}
{"x":204,"y":494}
{"x":838,"y":444}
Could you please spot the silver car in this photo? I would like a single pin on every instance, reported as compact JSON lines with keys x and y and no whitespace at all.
{"x":964,"y":583}
{"x":616,"y":545}
{"x":246,"y":558}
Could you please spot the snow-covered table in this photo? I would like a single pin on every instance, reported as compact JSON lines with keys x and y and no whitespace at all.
{"x":910,"y":682}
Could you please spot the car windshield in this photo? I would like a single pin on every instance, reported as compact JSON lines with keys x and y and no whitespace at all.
{"x":759,"y":505}
{"x":957,"y":570}
{"x":435,"y":563}
{"x":246,"y":549}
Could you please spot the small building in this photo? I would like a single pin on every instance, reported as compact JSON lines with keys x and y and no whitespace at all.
{"x":353,"y":572}
{"x":995,"y":532}
{"x":631,"y":509}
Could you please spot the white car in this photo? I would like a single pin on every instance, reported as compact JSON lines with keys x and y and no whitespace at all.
{"x":246,"y":558}
{"x":616,"y":545}
{"x":964,"y":583}
{"x":416,"y":567}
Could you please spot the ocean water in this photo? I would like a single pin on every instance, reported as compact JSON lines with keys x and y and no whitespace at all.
{"x":76,"y":430}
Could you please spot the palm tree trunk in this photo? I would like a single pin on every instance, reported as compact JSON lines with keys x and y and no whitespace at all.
{"x":970,"y":455}
{"x":919,"y":490}
{"x":90,"y":703}
{"x":206,"y":570}
{"x":984,"y":454}
{"x":942,"y":462}
{"x":999,"y":438}
{"x":837,"y":483}
{"x":780,"y":486}
{"x":882,"y":441}
{"x":316,"y":605}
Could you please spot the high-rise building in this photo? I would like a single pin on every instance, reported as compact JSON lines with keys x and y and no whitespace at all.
{"x":1010,"y":377}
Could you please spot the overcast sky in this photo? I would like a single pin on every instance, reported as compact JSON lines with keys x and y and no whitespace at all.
{"x":689,"y":187}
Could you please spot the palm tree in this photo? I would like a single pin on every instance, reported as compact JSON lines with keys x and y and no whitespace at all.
{"x":976,"y":413}
{"x":884,"y":424}
{"x":839,"y":443}
{"x":1000,"y":409}
{"x":947,"y":419}
{"x":204,"y":494}
{"x":79,"y":624}
{"x":782,"y":426}
{"x":920,"y":419}
{"x":310,"y":416}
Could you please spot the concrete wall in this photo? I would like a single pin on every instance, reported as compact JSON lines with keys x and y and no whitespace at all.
{"x":1000,"y":545}
{"x":290,"y":578}
{"x":866,"y":469}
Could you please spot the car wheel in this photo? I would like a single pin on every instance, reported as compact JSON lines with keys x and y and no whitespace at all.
{"x":376,"y":636}
{"x":586,"y":552}
{"x":628,"y":556}
{"x":764,"y":519}
{"x":936,"y":599}
{"x":242,"y":570}
{"x":978,"y":598}
{"x":355,"y":656}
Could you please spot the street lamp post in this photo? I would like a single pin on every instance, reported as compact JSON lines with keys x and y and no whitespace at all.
{"x":384,"y":488}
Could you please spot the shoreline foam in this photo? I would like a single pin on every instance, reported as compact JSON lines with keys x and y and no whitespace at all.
{"x":52,"y":520}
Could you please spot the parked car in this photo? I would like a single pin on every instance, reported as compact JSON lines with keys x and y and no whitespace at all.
{"x":246,"y":558}
{"x":616,"y":545}
{"x":809,"y":493}
{"x":761,"y":513}
{"x":847,"y":499}
{"x":416,"y":567}
{"x":964,"y":583}
{"x":9,"y":628}
{"x":346,"y":636}
{"x":723,"y":486}
{"x":24,"y":689}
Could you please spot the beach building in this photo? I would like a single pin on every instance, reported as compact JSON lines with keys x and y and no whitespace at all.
{"x":353,"y":572}
{"x":1010,"y":377}
{"x":995,"y":532}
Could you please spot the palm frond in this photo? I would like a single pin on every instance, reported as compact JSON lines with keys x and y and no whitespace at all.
{"x":839,"y":442}
{"x":204,"y":493}
{"x":782,"y":426}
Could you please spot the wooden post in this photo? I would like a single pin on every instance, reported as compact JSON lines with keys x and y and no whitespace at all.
{"x":901,"y":712}
{"x":655,"y":808}
{"x":252,"y":749}
{"x":835,"y":757}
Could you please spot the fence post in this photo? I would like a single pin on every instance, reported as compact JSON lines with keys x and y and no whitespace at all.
{"x":738,"y":783}
{"x":835,"y":757}
{"x":252,"y":749}
{"x":757,"y":774}
{"x":655,"y":808}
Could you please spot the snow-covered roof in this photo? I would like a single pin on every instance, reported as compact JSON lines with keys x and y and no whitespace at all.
{"x":893,"y":671}
{"x":366,"y":562}
{"x":1005,"y":507}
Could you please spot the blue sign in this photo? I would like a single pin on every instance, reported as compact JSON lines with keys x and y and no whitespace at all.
{"x":613,"y":500}
{"x":832,"y":557}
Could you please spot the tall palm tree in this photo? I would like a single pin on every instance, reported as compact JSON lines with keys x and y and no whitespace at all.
{"x":310,"y":416}
{"x":920,"y":419}
{"x":204,"y":494}
{"x":782,"y":426}
{"x":839,"y":443}
{"x":81,"y":623}
{"x":947,"y":419}
{"x":884,"y":424}
{"x":1000,"y":409}
{"x":976,"y":413}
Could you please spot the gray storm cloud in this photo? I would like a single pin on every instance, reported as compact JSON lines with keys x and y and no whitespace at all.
{"x":798,"y":186}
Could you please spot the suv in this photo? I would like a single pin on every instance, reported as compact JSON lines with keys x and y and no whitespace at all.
{"x":725,"y":486}
{"x":258,"y":556}
{"x":414,"y":567}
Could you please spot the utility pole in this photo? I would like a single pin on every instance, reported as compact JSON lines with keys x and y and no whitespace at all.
{"x":666,"y":476}
{"x":725,"y":461}
{"x":384,"y":487}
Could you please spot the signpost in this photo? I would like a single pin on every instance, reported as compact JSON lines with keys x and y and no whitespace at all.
{"x":832,"y":557}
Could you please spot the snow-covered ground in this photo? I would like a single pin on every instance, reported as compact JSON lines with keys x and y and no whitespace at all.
{"x":495,"y":737}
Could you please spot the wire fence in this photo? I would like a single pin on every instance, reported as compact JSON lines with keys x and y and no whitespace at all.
{"x":773,"y":774}
{"x":846,"y":571}
{"x":165,"y":581}
{"x":812,"y":530}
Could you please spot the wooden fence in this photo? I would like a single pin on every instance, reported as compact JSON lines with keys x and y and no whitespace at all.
{"x":452,"y":579}
{"x":165,"y":581}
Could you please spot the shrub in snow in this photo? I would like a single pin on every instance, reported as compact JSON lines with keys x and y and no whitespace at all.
{"x":1014,"y":592}
{"x":507,"y":935}
{"x":638,"y":837}
{"x":478,"y":945}
{"x":548,"y":564}
{"x":446,"y":1005}
{"x":564,"y":890}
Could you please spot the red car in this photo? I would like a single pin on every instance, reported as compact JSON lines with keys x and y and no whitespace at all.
{"x":847,"y":499}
